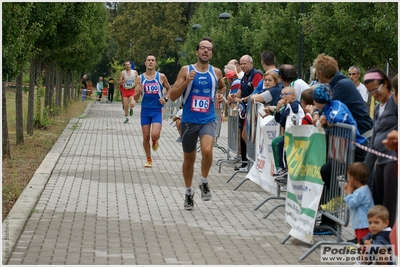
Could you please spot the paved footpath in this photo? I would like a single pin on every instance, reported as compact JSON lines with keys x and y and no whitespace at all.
{"x":92,"y":202}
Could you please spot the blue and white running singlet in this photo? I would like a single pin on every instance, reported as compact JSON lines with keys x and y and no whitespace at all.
{"x":152,"y":91}
{"x":199,"y":97}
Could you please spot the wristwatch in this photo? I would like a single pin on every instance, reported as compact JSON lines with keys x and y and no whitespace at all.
{"x":242,"y":99}
{"x":166,"y":99}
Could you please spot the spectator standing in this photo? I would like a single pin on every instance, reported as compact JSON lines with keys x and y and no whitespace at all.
{"x":84,"y":87}
{"x":354,"y":74}
{"x":391,"y":143}
{"x":268,"y":63}
{"x":289,"y":77}
{"x":198,"y":118}
{"x":344,"y":90}
{"x":248,"y":82}
{"x":385,"y":121}
{"x":99,"y":89}
{"x":271,"y":92}
{"x":234,"y":85}
{"x":358,"y":198}
{"x":237,"y":66}
{"x":110,"y":96}
{"x":233,"y":81}
{"x":230,"y":67}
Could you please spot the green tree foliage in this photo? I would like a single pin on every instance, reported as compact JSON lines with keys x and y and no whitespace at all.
{"x":364,"y":34}
{"x":18,"y":36}
{"x":151,"y":27}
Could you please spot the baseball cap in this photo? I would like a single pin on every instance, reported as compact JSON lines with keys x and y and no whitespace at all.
{"x":230,"y":74}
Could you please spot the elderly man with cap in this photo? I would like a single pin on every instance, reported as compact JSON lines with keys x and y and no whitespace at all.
{"x":233,"y":81}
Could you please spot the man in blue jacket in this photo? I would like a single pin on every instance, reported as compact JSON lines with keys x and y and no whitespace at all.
{"x":344,"y":90}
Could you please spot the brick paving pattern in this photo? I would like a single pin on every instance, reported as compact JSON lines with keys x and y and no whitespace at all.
{"x":100,"y":206}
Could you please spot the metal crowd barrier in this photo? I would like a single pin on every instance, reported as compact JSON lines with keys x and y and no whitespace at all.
{"x":171,"y":108}
{"x":341,"y":155}
{"x":233,"y":138}
{"x":220,"y":114}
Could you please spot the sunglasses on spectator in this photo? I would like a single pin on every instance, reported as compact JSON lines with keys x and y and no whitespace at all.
{"x":287,"y":93}
{"x":376,"y":90}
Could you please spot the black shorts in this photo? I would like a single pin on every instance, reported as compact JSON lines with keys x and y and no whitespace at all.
{"x":190,"y":132}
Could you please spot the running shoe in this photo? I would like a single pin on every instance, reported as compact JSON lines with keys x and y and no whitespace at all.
{"x":205,"y":192}
{"x":189,"y":203}
{"x":126,"y":120}
{"x":148,"y":163}
{"x":131,"y":111}
{"x":155,"y":145}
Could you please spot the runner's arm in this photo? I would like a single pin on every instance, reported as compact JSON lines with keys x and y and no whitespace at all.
{"x":166,"y":84}
{"x":121,"y":79}
{"x":180,"y":84}
{"x":138,"y":88}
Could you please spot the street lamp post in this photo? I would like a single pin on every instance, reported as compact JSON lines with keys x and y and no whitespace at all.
{"x":387,"y":65}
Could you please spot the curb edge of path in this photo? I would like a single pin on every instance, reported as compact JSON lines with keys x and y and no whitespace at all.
{"x":14,"y":223}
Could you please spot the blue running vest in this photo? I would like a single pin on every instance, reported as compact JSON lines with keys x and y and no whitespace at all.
{"x":199,"y":97}
{"x":152,"y":91}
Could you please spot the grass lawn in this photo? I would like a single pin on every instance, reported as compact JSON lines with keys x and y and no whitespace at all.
{"x":26,"y":158}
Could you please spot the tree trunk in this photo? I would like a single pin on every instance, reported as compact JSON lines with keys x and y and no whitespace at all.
{"x":58,"y":91}
{"x":67,"y":89}
{"x":51,"y":88}
{"x":73,"y":81}
{"x":31,"y":97}
{"x":49,"y":96}
{"x":74,"y":88}
{"x":47,"y":85}
{"x":52,"y":91}
{"x":19,"y":119}
{"x":6,"y":141}
{"x":39,"y":94}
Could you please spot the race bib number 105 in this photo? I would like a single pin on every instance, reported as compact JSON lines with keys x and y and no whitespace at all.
{"x":200,"y":104}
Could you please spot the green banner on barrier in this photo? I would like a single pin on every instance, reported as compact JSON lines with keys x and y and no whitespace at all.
{"x":305,"y":149}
